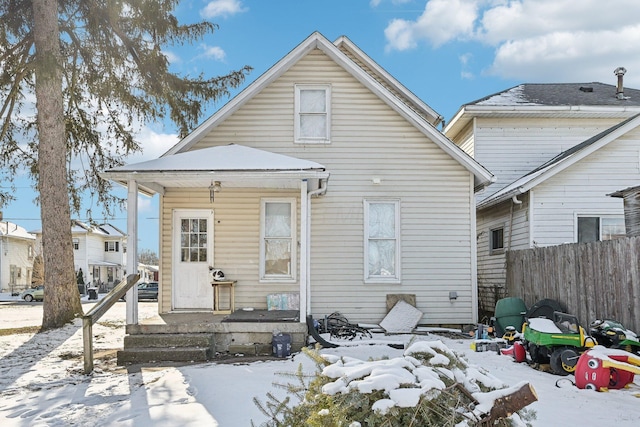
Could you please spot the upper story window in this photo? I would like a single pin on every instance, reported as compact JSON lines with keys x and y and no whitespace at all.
{"x":597,"y":228}
{"x":278,"y":238}
{"x":313,"y":113}
{"x":382,"y":241}
{"x":30,"y":251}
{"x":76,"y":243}
{"x":112,"y":246}
{"x":497,"y":240}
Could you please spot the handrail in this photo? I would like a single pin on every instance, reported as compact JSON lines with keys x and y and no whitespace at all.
{"x":98,"y":310}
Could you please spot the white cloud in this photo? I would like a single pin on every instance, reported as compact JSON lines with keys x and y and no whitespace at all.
{"x":213,"y":52}
{"x":579,"y":56}
{"x":534,"y":40}
{"x":145,"y":204}
{"x":441,"y":21}
{"x":153,"y":144}
{"x":172,"y":57}
{"x":465,"y":59}
{"x":222,"y":8}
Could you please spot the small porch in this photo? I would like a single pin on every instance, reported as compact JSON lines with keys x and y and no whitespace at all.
{"x":203,"y":336}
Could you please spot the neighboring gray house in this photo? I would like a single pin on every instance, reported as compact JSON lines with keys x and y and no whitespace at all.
{"x":325,"y":178}
{"x":16,"y":257}
{"x":557,"y":151}
{"x":100,"y":251}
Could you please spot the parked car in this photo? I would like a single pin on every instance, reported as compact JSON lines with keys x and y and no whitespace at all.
{"x":146,"y":290}
{"x":33,"y":294}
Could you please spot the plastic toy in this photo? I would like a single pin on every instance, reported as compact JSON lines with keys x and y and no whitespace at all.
{"x":603,"y":369}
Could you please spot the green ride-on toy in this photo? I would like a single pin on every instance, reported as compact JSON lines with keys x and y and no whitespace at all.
{"x":557,"y":342}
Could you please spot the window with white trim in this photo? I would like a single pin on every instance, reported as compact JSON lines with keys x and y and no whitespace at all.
{"x":592,"y":228}
{"x":278,"y":239}
{"x":112,"y":246}
{"x":76,"y":243}
{"x":312,"y":113}
{"x":382,"y":241}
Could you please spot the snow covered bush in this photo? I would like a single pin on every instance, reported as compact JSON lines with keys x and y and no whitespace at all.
{"x":428,"y":386}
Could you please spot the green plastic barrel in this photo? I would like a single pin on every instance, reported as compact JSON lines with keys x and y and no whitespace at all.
{"x":509,"y":312}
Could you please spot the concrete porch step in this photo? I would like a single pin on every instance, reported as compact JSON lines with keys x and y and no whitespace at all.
{"x":168,"y":340}
{"x":148,"y":355}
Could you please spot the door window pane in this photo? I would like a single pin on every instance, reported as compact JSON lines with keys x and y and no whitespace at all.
{"x":193,"y":240}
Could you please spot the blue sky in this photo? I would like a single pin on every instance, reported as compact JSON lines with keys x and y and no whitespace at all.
{"x":447,"y":52}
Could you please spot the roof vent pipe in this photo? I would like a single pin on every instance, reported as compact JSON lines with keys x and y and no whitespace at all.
{"x":620,"y":71}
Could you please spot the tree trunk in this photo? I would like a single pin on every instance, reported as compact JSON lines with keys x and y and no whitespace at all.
{"x":61,"y":297}
{"x":504,"y":406}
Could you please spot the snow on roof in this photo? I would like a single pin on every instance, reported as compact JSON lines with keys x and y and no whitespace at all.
{"x":14,"y":230}
{"x":513,"y":96}
{"x":79,"y":227}
{"x":232,"y":157}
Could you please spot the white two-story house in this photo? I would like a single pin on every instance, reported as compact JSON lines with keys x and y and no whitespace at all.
{"x":16,"y":257}
{"x":557,"y":151}
{"x":100,"y":252}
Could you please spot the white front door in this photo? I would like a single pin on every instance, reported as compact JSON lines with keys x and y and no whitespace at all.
{"x":192,"y":257}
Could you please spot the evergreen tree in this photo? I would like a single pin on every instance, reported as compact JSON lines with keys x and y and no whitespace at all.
{"x":96,"y":68}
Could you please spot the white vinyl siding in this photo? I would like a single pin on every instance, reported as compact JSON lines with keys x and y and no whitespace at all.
{"x":582,"y":189}
{"x":368,"y":140}
{"x":511,"y":148}
{"x":313,"y":113}
{"x":381,"y":241}
{"x":513,"y":220}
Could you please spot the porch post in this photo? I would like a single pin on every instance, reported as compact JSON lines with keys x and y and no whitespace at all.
{"x":132,"y":250}
{"x":304,"y":250}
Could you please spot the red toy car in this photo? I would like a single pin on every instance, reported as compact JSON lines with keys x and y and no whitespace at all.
{"x":602,"y":368}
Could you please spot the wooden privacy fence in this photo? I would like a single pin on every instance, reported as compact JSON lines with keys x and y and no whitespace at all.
{"x":599,"y":280}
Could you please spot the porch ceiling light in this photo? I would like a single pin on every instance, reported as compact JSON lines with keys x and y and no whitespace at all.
{"x":213,"y":189}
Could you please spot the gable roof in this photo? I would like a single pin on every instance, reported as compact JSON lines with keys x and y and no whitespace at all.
{"x":9,"y":229}
{"x":549,"y":100}
{"x":366,"y":72}
{"x":559,"y":163}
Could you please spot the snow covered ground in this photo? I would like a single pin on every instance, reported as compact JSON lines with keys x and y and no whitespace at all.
{"x":42,"y":381}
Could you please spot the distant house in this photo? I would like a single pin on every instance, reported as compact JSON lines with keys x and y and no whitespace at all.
{"x":100,"y":251}
{"x":148,"y":273}
{"x":557,"y":151}
{"x":16,"y":257}
{"x":327,"y":179}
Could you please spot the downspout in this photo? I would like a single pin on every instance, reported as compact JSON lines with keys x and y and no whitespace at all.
{"x":515,"y":201}
{"x":321,"y":191}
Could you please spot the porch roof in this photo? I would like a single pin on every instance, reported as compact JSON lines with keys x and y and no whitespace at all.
{"x":234,"y":165}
